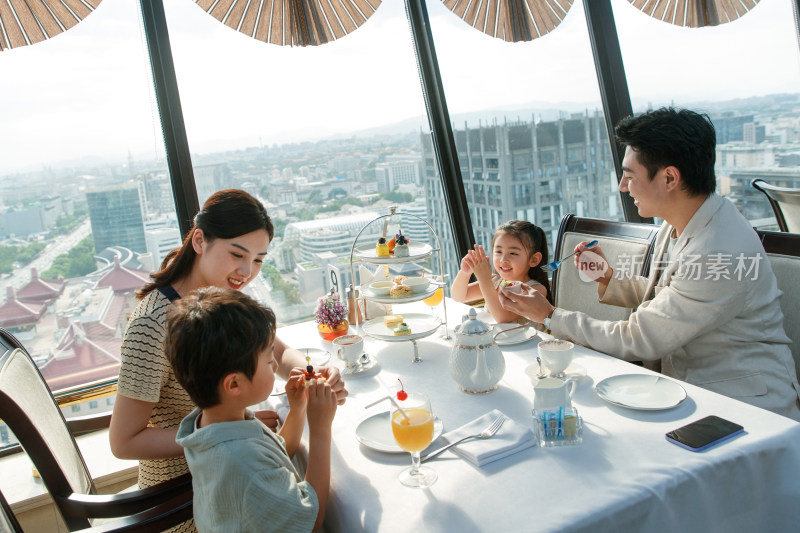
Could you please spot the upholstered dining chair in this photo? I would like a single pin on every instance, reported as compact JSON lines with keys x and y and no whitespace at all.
{"x":785,"y":203}
{"x":625,"y":245}
{"x":33,"y":416}
{"x":783,"y":251}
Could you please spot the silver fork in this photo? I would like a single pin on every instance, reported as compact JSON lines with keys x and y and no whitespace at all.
{"x":549,"y":267}
{"x":485,"y":434}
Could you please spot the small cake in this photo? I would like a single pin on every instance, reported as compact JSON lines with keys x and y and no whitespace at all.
{"x":381,"y":249}
{"x":401,"y":246}
{"x":399,"y":279}
{"x":400,"y":291}
{"x":391,"y":321}
{"x":402,"y":329}
{"x":508,"y":283}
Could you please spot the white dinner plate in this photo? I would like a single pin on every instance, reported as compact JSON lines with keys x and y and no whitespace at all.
{"x":375,"y":432}
{"x":515,"y":339}
{"x":421,"y":324}
{"x":641,"y":391}
{"x":318,"y":357}
{"x":416,"y":296}
{"x":416,"y":251}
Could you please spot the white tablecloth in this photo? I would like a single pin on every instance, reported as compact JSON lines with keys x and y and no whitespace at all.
{"x":624,"y":477}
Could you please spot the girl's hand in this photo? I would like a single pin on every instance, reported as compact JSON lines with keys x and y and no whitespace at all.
{"x":296,"y":391}
{"x":482,"y":265}
{"x":467,"y":263}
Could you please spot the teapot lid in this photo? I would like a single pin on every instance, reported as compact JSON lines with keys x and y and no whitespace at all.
{"x":471,"y":325}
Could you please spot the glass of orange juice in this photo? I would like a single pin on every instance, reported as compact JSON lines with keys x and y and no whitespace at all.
{"x":412,"y":427}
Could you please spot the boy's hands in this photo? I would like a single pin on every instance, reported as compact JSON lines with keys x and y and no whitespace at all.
{"x":321,"y":406}
{"x":295,"y":390}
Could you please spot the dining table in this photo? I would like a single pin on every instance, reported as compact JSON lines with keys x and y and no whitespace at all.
{"x":623,"y":476}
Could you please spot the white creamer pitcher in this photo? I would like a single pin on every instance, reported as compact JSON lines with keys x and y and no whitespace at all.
{"x":552,"y":393}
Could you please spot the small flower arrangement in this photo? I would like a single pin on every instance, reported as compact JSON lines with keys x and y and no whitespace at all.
{"x":330,"y":311}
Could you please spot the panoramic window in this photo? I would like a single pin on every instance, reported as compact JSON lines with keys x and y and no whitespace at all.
{"x":328,"y":137}
{"x":536,"y":114}
{"x":748,"y":86}
{"x":86,"y":207}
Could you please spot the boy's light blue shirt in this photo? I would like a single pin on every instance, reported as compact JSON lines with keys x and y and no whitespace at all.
{"x":243,"y":479}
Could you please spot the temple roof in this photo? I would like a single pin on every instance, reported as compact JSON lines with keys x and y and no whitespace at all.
{"x":123,"y":279}
{"x":16,"y":313}
{"x":40,"y":290}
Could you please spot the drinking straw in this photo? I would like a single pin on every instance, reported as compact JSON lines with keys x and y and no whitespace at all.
{"x":376,"y":402}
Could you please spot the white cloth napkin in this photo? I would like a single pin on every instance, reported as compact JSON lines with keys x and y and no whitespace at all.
{"x":511,"y":438}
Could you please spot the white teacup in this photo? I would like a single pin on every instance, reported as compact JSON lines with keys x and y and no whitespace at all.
{"x":552,"y":393}
{"x":556,"y":356}
{"x":349,"y":349}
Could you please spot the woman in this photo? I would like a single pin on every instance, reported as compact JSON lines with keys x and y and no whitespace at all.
{"x":225,"y":248}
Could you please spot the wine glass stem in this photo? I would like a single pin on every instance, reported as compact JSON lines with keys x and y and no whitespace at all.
{"x":415,"y":461}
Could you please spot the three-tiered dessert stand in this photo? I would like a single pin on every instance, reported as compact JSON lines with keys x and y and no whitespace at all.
{"x":422,"y":325}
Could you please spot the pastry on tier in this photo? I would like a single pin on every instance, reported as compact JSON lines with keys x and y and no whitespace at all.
{"x":381,"y":249}
{"x":400,"y":291}
{"x":391,"y":321}
{"x":401,"y":245}
{"x":399,"y":279}
{"x":402,"y":329}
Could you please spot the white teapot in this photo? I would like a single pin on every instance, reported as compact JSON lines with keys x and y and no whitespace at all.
{"x":476,"y":362}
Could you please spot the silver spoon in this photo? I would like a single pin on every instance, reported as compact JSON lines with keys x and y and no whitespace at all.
{"x":542,"y":374}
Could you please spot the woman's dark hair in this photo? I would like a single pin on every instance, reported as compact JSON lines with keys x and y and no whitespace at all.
{"x":214,"y":332}
{"x":674,"y":137}
{"x":533,"y":239}
{"x":226,"y":214}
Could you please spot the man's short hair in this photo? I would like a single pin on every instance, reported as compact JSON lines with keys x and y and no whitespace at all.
{"x":214,"y":332}
{"x":674,"y":137}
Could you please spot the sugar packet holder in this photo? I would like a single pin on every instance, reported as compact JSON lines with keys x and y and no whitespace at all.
{"x":561,"y":426}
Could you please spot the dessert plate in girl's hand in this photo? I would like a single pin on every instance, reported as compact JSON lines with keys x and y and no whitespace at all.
{"x":641,"y":391}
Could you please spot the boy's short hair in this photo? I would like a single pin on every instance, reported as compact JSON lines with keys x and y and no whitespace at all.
{"x":214,"y":332}
{"x":674,"y":137}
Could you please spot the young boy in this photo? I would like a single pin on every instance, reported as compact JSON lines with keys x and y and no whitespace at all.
{"x":219,"y":343}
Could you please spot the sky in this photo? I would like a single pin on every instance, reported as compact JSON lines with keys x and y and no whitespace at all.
{"x":86,"y":94}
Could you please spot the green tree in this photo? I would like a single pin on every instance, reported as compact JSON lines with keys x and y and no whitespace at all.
{"x":78,"y":262}
{"x":290,"y":292}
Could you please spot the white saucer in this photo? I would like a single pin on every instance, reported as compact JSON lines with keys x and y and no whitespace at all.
{"x":641,"y":391}
{"x":530,"y":334}
{"x":574,"y":371}
{"x":362,"y":368}
{"x":375,"y":432}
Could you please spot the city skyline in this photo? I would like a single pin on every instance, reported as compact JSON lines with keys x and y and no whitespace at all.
{"x":44,"y":92}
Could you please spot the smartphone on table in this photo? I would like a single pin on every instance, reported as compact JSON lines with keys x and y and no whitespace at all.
{"x":704,"y":433}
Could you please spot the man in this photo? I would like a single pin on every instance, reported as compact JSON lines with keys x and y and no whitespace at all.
{"x":710,"y":311}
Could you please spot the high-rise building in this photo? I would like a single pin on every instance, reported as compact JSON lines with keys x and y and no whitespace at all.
{"x":393,"y":173}
{"x":117,"y":217}
{"x":526,"y":171}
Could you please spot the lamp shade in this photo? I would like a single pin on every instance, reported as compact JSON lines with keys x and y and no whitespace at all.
{"x":24,"y":22}
{"x":511,"y":20}
{"x":292,"y":22}
{"x":695,"y":13}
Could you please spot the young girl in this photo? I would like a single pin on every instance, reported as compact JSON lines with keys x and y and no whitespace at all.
{"x":225,"y":248}
{"x":519,"y":248}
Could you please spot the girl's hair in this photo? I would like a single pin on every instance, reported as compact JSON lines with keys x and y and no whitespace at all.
{"x":533,"y":239}
{"x":227,"y":214}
